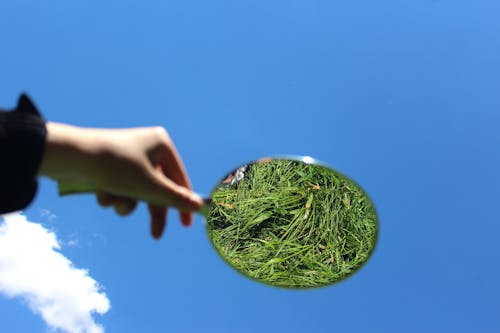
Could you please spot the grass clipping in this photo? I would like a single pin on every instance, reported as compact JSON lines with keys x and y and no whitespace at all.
{"x":291,"y":224}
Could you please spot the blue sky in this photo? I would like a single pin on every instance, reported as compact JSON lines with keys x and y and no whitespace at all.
{"x":401,"y":96}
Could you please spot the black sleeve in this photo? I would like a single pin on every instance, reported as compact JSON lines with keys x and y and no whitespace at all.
{"x":22,"y":144}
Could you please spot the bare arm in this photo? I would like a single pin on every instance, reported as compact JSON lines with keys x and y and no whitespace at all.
{"x":124,"y":165}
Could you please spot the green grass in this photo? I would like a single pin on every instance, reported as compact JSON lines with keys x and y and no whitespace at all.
{"x":293,"y":225}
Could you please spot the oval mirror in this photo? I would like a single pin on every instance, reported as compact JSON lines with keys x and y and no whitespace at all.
{"x":291,"y":223}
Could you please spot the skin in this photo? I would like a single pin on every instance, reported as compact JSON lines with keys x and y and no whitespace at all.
{"x":125,"y":166}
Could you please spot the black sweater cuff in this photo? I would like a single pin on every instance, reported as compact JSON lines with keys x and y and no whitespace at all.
{"x":22,"y":144}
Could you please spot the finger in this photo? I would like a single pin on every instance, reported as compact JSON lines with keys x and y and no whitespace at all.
{"x":104,"y":199}
{"x":158,"y":220}
{"x":172,"y":165}
{"x":165,"y":192}
{"x":186,"y":218}
{"x":169,"y":193}
{"x":124,"y":206}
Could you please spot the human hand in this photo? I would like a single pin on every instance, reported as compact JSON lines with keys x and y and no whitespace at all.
{"x":124,"y":166}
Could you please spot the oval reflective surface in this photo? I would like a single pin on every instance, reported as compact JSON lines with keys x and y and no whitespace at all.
{"x":291,"y":223}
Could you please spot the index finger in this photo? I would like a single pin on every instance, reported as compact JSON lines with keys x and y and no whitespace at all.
{"x":173,"y":168}
{"x":172,"y":165}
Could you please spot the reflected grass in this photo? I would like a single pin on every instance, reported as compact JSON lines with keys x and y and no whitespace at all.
{"x":291,"y":224}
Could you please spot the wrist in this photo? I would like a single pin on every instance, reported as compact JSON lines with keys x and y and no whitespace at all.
{"x":69,"y":151}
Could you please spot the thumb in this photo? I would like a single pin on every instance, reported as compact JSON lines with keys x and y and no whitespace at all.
{"x":168,"y":193}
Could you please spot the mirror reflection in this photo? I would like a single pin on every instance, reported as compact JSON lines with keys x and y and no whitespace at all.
{"x":291,"y":223}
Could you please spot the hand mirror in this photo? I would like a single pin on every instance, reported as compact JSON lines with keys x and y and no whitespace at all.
{"x":288,"y":222}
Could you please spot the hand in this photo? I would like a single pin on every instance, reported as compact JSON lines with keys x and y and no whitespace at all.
{"x":124,"y":165}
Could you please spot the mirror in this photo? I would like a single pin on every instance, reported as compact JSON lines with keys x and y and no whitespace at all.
{"x":291,"y":223}
{"x":287,"y":222}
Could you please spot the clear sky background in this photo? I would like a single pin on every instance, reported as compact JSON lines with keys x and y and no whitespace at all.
{"x":402,"y":96}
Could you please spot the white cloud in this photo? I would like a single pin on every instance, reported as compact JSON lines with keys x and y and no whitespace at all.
{"x":47,"y":214}
{"x":31,"y":268}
